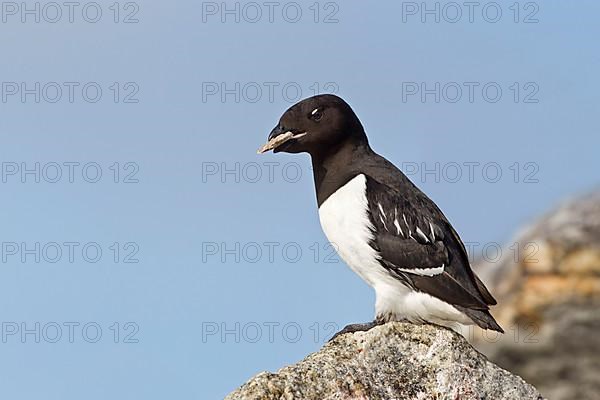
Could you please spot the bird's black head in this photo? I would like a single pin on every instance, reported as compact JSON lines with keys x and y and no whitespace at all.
{"x":315,"y":125}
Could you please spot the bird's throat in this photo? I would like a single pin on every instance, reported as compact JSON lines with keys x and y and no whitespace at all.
{"x":333,"y":169}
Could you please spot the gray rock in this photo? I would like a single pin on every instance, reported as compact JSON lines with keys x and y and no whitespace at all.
{"x":393,"y":361}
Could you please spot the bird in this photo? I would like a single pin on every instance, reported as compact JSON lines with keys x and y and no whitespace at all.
{"x":381,"y":224}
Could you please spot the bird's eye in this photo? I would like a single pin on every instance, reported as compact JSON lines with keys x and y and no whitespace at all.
{"x":316,"y":115}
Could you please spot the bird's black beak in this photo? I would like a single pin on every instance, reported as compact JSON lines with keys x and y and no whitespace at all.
{"x":279,"y":136}
{"x":278,"y":130}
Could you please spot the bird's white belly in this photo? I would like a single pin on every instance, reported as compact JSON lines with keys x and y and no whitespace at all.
{"x":345,"y":220}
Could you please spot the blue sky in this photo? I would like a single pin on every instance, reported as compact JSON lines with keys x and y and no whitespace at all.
{"x":147,"y":251}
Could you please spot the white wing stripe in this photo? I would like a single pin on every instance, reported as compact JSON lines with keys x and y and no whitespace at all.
{"x":408,"y":227}
{"x":381,"y":210}
{"x":423,"y":271}
{"x":383,"y":222}
{"x":420,"y":232}
{"x":398,"y":228}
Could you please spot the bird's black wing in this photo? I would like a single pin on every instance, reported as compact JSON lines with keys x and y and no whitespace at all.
{"x":417,"y":244}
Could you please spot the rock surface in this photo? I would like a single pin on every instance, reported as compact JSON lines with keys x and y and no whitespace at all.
{"x":548,"y":300}
{"x":392,"y":361}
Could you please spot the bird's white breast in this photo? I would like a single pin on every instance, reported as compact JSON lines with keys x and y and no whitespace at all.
{"x":345,"y":220}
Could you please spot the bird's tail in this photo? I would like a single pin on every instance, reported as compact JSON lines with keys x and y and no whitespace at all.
{"x":482,"y":318}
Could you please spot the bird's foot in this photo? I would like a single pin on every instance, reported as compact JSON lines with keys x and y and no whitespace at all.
{"x":356,"y":328}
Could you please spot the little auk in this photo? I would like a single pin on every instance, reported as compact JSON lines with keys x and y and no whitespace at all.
{"x":386,"y":229}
